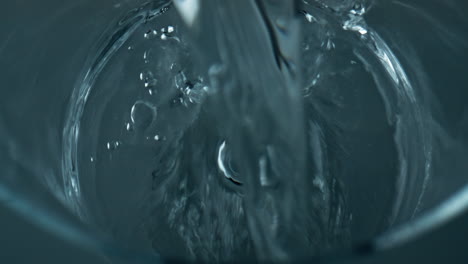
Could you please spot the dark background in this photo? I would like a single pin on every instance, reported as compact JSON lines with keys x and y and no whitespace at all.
{"x":21,"y":242}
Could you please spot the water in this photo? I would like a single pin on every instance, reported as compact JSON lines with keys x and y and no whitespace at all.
{"x":255,"y":129}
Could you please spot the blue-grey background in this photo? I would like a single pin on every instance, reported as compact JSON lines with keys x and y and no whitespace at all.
{"x":44,"y":43}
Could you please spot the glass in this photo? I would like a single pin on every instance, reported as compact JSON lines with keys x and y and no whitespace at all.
{"x":108,"y":105}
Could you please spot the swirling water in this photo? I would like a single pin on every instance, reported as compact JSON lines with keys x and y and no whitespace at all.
{"x":258,"y":129}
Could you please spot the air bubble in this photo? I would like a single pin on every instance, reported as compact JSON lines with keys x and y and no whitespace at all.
{"x":142,"y":114}
{"x":309,"y":18}
{"x":150,"y":34}
{"x":329,"y":44}
{"x":113,"y":145}
{"x":354,"y":25}
{"x":148,"y":79}
{"x":358,"y":10}
{"x":74,"y":185}
{"x":128,"y":127}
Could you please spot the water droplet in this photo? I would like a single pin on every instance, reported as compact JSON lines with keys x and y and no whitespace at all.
{"x":130,"y":48}
{"x":142,"y":114}
{"x":163,"y":36}
{"x":170,"y":29}
{"x":156,"y":137}
{"x":91,"y":159}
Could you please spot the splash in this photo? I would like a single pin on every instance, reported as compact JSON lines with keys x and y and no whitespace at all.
{"x":251,"y":163}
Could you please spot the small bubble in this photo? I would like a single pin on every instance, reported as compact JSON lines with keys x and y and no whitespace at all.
{"x":91,"y":159}
{"x":281,"y":24}
{"x":310,"y":18}
{"x":147,"y":56}
{"x":74,"y":185}
{"x":112,"y":145}
{"x":150,"y":34}
{"x":128,"y":126}
{"x":163,"y":36}
{"x":358,"y":10}
{"x":151,"y":82}
{"x":156,"y":137}
{"x":330,"y":45}
{"x":148,"y":79}
{"x":353,"y":25}
{"x":170,"y":29}
{"x":130,"y":48}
